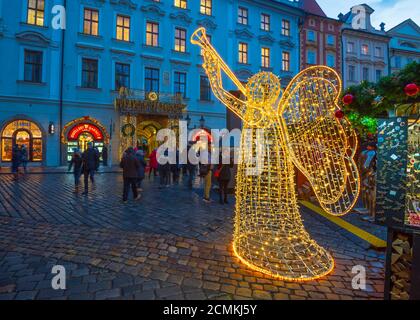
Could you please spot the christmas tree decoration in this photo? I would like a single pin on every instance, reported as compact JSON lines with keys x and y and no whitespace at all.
{"x":348,"y":99}
{"x":411,"y":89}
{"x":339,"y":114}
{"x":298,"y":127}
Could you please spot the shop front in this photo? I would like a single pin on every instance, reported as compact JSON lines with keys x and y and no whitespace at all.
{"x":78,"y":133}
{"x":143,"y":114}
{"x":20,"y":133}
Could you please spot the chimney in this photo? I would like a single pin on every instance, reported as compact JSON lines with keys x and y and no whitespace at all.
{"x":382,"y":25}
{"x":340,"y":16}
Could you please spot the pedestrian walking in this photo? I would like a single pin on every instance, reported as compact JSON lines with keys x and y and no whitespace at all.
{"x":175,"y":169}
{"x":16,"y":159}
{"x":153,"y":163}
{"x":24,"y":157}
{"x":130,"y":166}
{"x":164,"y":171}
{"x":90,"y":165}
{"x":223,"y":175}
{"x":76,"y":163}
{"x":142,"y":168}
{"x":191,"y":168}
{"x":206,"y":173}
{"x":105,"y":156}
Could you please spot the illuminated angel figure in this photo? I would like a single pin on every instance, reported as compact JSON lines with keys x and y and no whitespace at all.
{"x":300,"y":128}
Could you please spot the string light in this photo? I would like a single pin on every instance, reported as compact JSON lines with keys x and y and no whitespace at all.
{"x":299,"y":129}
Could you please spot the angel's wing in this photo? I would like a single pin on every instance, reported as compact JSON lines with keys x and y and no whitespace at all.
{"x":320,"y":145}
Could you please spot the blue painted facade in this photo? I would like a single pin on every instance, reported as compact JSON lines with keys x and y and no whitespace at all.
{"x":47,"y":106}
{"x":404,"y":45}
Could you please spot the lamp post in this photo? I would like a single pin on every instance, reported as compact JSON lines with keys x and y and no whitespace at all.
{"x":202,"y":122}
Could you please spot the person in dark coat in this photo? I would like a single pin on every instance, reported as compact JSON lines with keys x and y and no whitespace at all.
{"x":142,"y":169}
{"x":90,"y":165}
{"x":191,"y":168}
{"x":76,"y":163}
{"x":16,"y":159}
{"x":24,"y":157}
{"x":224,"y":176}
{"x":130,"y":166}
{"x":175,"y":169}
{"x":105,"y":156}
{"x":164,"y":171}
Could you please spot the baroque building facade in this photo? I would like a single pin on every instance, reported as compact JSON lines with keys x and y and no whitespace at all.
{"x":123,"y":69}
{"x":320,"y":38}
{"x":365,"y":49}
{"x":404,"y":45}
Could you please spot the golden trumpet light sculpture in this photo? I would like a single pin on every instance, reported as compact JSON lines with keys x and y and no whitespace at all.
{"x":299,"y":128}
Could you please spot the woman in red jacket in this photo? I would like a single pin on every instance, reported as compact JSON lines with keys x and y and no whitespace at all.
{"x":153,"y":163}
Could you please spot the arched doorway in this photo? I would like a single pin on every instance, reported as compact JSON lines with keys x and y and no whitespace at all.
{"x":22,"y":132}
{"x":146,"y":136}
{"x":80,"y":132}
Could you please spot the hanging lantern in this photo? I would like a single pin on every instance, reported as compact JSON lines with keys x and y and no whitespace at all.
{"x":411,"y":89}
{"x":339,"y":114}
{"x":348,"y":99}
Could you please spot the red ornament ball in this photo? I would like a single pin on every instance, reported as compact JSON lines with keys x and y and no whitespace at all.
{"x":339,"y":114}
{"x":348,"y":99}
{"x":411,"y":89}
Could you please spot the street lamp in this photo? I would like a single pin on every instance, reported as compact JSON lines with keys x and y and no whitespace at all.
{"x":202,"y":122}
{"x":188,"y":119}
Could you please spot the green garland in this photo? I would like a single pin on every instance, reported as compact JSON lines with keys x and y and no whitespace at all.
{"x":128,"y":130}
{"x":372,"y":101}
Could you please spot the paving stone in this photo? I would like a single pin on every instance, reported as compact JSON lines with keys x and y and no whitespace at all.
{"x":108,"y":294}
{"x":26,"y":295}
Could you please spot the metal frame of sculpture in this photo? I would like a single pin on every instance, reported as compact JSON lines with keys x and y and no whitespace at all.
{"x":299,"y":128}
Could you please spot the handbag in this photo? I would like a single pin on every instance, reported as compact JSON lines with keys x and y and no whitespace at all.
{"x":217,"y":172}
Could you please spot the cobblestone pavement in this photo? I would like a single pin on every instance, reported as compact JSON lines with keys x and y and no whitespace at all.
{"x":168,"y":245}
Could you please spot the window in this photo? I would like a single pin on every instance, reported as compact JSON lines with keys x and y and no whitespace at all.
{"x":242,"y":15}
{"x":311,"y":57}
{"x":378,"y":75}
{"x":378,"y":52}
{"x":152,"y":34}
{"x":206,"y":7}
{"x":33,"y":66}
{"x":365,"y":73}
{"x":36,"y":12}
{"x":330,"y":40}
{"x":331,"y":60}
{"x":180,"y":40}
{"x":91,"y":22}
{"x":243,"y":52}
{"x":22,"y":132}
{"x":180,"y":4}
{"x":151,"y":80}
{"x":352,"y":73}
{"x":205,"y":90}
{"x":365,"y":49}
{"x":350,"y":47}
{"x":180,"y":84}
{"x":89,"y":73}
{"x":123,"y":28}
{"x":311,"y":36}
{"x":122,"y":75}
{"x":285,"y":27}
{"x":265,"y":22}
{"x":285,"y":61}
{"x":265,"y":57}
